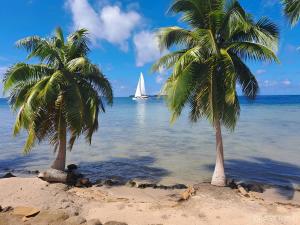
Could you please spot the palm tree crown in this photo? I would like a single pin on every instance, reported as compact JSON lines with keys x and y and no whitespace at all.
{"x":62,"y":95}
{"x":211,"y":58}
{"x":292,"y":10}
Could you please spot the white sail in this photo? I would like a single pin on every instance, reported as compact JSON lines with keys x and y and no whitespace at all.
{"x":138,"y":92}
{"x":143,"y":89}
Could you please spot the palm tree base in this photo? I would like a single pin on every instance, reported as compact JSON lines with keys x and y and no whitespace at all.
{"x":219,"y":181}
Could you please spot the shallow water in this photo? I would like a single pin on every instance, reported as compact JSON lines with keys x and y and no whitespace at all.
{"x":135,"y":140}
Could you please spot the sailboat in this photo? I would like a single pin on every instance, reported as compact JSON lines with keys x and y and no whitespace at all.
{"x":140,"y":92}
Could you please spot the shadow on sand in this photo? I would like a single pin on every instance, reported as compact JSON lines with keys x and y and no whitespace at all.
{"x":124,"y":169}
{"x":281,"y":175}
{"x":19,"y":164}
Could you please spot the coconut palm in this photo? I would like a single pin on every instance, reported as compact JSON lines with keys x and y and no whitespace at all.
{"x":59,"y":98}
{"x":208,"y":61}
{"x":292,"y":10}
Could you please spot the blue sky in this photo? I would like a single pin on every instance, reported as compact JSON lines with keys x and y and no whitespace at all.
{"x":123,"y":43}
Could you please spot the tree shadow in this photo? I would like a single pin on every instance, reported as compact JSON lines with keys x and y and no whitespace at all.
{"x":19,"y":163}
{"x":280,"y":175}
{"x":124,"y":169}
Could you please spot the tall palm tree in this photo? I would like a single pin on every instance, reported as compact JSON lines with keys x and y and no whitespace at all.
{"x":61,"y":96}
{"x":292,"y":10}
{"x":208,"y":61}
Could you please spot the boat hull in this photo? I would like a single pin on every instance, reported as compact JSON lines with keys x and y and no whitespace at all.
{"x":140,"y":98}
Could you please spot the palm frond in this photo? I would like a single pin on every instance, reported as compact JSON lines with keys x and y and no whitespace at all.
{"x":292,"y":10}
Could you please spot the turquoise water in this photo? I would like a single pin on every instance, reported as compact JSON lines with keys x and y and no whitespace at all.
{"x":135,"y":140}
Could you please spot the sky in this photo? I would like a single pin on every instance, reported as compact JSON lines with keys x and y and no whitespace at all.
{"x":123,"y":42}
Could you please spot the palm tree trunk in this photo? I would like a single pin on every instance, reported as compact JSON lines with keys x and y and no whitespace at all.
{"x":219,"y":178}
{"x":60,"y":161}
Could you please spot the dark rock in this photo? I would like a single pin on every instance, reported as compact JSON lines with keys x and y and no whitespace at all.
{"x":85,"y":182}
{"x":131,"y":183}
{"x":73,"y":177}
{"x":163,"y":187}
{"x":94,"y":222}
{"x":72,"y":167}
{"x":111,"y":182}
{"x":179,"y":186}
{"x":32,"y":171}
{"x":232,"y":184}
{"x":8,"y":175}
{"x":0,"y":208}
{"x":145,"y":185}
{"x":255,"y":188}
{"x":7,"y":209}
{"x":115,"y":223}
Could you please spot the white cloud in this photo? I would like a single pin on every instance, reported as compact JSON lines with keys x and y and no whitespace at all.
{"x":286,"y":82}
{"x":109,"y":23}
{"x":269,"y":83}
{"x":147,"y":48}
{"x":275,"y":83}
{"x":260,"y":72}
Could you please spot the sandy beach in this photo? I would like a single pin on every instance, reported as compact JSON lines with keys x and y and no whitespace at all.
{"x":60,"y":204}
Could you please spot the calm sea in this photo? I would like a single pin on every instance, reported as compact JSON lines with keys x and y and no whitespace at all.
{"x":135,"y":140}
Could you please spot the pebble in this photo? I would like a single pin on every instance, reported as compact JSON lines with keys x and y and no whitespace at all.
{"x":7,"y":209}
{"x":115,"y":223}
{"x":76,"y":220}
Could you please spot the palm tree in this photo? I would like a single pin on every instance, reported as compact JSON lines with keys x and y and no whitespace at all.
{"x":61,"y":96}
{"x":208,"y":61}
{"x":292,"y":10}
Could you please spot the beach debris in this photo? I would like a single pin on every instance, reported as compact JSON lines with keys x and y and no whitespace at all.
{"x":7,"y":209}
{"x":132,"y":183}
{"x":26,"y":212}
{"x":76,"y":220}
{"x":243,"y":191}
{"x":254,"y":187}
{"x":109,"y":182}
{"x":70,"y":178}
{"x":83,"y":182}
{"x":72,"y":167}
{"x":115,"y":223}
{"x":93,"y":222}
{"x":53,"y":176}
{"x":189,"y":192}
{"x":8,"y":175}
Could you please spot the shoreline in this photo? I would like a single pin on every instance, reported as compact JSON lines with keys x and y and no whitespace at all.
{"x":135,"y":206}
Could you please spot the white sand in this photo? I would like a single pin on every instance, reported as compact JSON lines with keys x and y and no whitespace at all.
{"x":210,"y":205}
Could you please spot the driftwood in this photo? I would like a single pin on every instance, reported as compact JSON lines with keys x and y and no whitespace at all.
{"x":54,"y":176}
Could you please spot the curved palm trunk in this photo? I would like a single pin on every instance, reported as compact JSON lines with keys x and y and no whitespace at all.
{"x":60,"y":161}
{"x":219,"y":178}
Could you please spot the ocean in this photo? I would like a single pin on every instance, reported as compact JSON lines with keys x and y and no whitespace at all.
{"x":136,"y":141}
